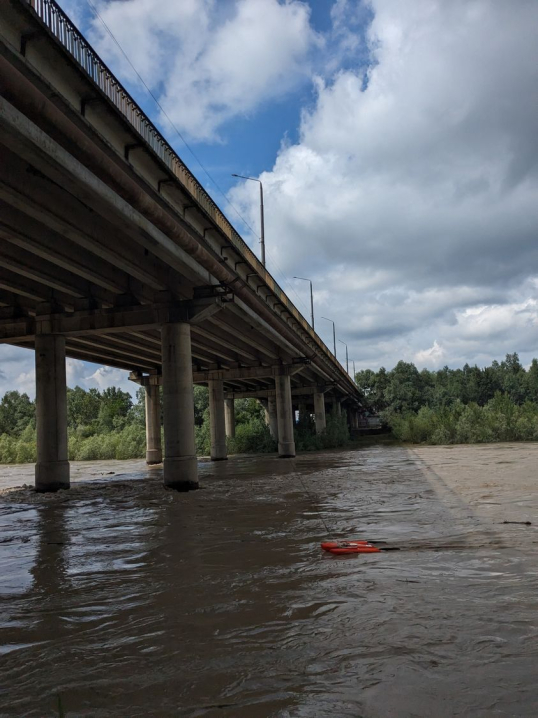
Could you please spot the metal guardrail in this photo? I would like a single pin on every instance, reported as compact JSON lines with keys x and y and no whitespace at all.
{"x":61,"y":27}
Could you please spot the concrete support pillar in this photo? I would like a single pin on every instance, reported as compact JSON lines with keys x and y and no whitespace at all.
{"x":271,"y":417}
{"x":319,"y":409}
{"x":180,"y":466}
{"x":303,"y":411}
{"x":229,"y":417}
{"x":154,"y":454}
{"x":355,"y":419}
{"x":52,"y":466}
{"x":284,"y":412}
{"x":217,"y":422}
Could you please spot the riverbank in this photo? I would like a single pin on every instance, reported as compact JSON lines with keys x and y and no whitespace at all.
{"x":130,"y":600}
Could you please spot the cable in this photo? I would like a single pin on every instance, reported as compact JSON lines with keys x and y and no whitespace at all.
{"x":330,"y":532}
{"x":193,"y":153}
{"x":182,"y":138}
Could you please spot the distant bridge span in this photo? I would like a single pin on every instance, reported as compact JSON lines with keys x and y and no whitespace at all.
{"x":112,"y":252}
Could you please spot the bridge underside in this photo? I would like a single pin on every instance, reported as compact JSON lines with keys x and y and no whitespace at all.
{"x":110,"y":254}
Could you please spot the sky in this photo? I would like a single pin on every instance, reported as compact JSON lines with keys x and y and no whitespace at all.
{"x":397,"y":146}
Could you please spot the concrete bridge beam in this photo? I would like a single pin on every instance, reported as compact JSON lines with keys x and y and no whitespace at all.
{"x":286,"y":442}
{"x":154,"y":454}
{"x":180,"y":466}
{"x":217,"y":420}
{"x":319,"y":410}
{"x":229,"y":417}
{"x":52,"y":467}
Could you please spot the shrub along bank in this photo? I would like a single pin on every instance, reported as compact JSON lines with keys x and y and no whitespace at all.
{"x":468,"y":405}
{"x":499,"y":420}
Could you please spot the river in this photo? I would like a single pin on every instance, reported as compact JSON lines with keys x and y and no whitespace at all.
{"x":119,"y":598}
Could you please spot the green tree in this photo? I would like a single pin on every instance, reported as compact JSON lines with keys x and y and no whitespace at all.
{"x":531,"y":381}
{"x":16,"y":413}
{"x":248,"y":410}
{"x":201,"y":404}
{"x":372,"y":386}
{"x":137,"y":413}
{"x":82,"y":406}
{"x":404,"y":392}
{"x":114,"y":409}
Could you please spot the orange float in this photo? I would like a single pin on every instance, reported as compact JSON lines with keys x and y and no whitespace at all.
{"x":329,"y":545}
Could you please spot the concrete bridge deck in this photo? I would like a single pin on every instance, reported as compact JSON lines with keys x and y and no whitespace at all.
{"x":112,"y":252}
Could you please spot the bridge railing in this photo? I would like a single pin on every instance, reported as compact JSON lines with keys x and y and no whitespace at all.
{"x":61,"y":27}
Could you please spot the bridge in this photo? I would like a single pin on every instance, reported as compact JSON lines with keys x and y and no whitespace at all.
{"x":112,"y":252}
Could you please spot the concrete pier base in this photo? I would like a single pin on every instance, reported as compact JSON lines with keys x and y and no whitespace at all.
{"x":319,"y":409}
{"x":217,"y":423}
{"x":229,"y":417}
{"x":154,"y":454}
{"x":286,"y":442}
{"x":52,"y":466}
{"x":180,"y":466}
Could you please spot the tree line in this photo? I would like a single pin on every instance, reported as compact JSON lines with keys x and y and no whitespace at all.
{"x":467,"y":405}
{"x":110,"y":424}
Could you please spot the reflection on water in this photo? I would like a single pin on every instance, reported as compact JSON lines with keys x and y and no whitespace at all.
{"x":129,"y":600}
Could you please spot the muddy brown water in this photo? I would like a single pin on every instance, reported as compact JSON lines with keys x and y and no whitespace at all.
{"x":128,"y":600}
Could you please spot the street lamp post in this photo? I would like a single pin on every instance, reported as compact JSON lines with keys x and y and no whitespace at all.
{"x":334,"y":333}
{"x":347,"y":361}
{"x":311,"y":298}
{"x":262,"y":222}
{"x":354,"y":372}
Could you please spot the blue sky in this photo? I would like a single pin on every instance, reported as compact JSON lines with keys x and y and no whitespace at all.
{"x":397,"y":147}
{"x":247,"y":143}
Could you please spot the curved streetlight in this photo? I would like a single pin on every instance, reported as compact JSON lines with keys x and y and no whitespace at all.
{"x":262,"y":224}
{"x":334,"y":333}
{"x":311,"y":298}
{"x":347,"y":361}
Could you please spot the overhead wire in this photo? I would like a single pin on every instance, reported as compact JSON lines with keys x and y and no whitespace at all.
{"x":165,"y":114}
{"x":281,"y":274}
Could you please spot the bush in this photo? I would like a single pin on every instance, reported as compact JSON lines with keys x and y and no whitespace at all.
{"x":202,"y":435}
{"x":499,"y":420}
{"x":129,"y":443}
{"x":336,"y":434}
{"x":253,"y":437}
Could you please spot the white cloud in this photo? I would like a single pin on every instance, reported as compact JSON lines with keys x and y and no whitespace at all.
{"x":432,"y":357}
{"x":18,"y":372}
{"x":410,"y":197}
{"x":25,"y":382}
{"x":208,"y":61}
{"x":411,"y":194}
{"x":106,"y":376}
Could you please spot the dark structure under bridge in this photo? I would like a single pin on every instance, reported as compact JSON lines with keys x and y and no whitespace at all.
{"x":112,"y":252}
